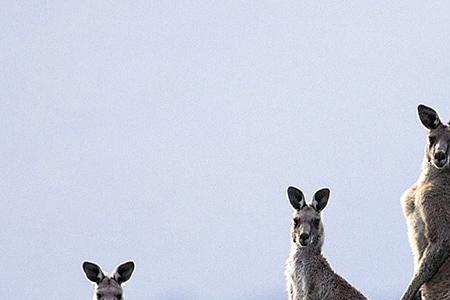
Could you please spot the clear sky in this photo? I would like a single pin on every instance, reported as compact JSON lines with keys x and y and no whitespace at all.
{"x":167,"y":132}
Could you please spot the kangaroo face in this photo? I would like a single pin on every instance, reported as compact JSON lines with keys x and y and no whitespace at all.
{"x":307,"y":228}
{"x":438,"y":146}
{"x":108,"y":287}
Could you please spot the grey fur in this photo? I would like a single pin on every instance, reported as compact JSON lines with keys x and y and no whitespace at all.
{"x":308,"y":274}
{"x":426,"y":206}
{"x":108,"y":287}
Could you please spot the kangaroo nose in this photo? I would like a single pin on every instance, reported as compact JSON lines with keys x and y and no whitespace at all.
{"x":304,"y":238}
{"x":439,"y":155}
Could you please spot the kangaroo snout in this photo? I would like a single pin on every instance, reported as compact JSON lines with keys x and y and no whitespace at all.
{"x":304,"y":238}
{"x":440,"y":158}
{"x":439,"y":155}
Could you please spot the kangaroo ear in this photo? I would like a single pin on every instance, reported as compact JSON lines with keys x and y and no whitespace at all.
{"x":93,"y":272}
{"x":123,"y":272}
{"x":320,"y":199}
{"x":428,"y":117}
{"x":296,"y":198}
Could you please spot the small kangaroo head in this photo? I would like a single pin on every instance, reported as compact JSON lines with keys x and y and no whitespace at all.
{"x":438,"y":146}
{"x":108,"y":287}
{"x":307,"y":227}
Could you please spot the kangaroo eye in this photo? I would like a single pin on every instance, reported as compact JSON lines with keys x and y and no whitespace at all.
{"x":432,"y":139}
{"x":119,"y":296}
{"x":295,"y":222}
{"x":316,"y":222}
{"x":99,"y":296}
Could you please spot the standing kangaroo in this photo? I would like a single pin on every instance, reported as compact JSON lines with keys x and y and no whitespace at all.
{"x":108,"y":287}
{"x":308,"y":274}
{"x":426,"y":206}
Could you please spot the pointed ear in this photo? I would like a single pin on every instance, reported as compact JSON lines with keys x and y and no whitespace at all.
{"x":320,"y":199}
{"x":123,"y":272}
{"x":428,"y":117}
{"x":93,"y":272}
{"x":296,"y":198}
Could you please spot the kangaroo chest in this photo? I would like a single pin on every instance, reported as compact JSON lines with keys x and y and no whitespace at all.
{"x":417,"y":233}
{"x":307,"y":281}
{"x":416,"y":225}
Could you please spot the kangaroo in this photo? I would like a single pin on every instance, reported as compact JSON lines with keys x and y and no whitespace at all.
{"x":309,"y":276}
{"x":426,"y":206}
{"x":108,"y":287}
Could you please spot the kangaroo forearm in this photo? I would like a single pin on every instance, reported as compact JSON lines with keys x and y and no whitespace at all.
{"x":433,"y":258}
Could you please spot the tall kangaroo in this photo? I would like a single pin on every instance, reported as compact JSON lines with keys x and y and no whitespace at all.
{"x":426,"y":206}
{"x":108,"y":287}
{"x":308,"y":274}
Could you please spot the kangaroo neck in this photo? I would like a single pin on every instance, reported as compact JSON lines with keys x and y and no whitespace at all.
{"x":307,"y":254}
{"x":432,"y":174}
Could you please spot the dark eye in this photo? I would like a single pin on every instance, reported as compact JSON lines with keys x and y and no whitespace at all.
{"x":432,"y":140}
{"x":295,"y":222}
{"x":99,"y":296}
{"x":316,"y":222}
{"x":119,"y":296}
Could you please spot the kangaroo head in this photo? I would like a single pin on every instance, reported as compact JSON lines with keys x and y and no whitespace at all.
{"x":438,"y":146}
{"x":307,"y":227}
{"x":108,"y":287}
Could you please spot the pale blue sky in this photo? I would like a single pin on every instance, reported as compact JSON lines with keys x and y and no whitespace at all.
{"x":167,"y":132}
